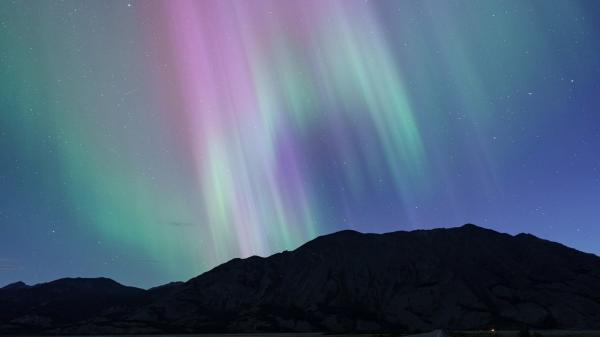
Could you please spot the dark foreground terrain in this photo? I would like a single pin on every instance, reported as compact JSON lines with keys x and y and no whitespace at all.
{"x":514,"y":333}
{"x":466,"y":278}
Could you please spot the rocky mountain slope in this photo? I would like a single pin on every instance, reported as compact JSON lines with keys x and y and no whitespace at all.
{"x":459,"y":278}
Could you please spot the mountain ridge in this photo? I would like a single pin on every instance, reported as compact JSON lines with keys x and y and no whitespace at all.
{"x":466,"y":277}
{"x":467,"y":225}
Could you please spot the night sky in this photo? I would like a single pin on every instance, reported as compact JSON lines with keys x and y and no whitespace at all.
{"x":149,"y":141}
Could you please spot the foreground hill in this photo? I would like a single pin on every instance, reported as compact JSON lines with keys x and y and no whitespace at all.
{"x":65,"y":302}
{"x":459,"y":278}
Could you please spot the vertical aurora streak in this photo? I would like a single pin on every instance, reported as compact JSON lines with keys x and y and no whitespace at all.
{"x":250,"y":95}
{"x":169,"y":136}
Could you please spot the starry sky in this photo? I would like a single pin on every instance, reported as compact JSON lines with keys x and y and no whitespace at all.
{"x":149,"y":141}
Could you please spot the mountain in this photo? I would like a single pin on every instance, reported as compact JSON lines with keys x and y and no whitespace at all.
{"x":458,"y":278}
{"x":14,"y":286}
{"x":53,"y":305}
{"x":461,"y":278}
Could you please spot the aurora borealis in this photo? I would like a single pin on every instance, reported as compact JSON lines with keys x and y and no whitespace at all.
{"x":149,"y":141}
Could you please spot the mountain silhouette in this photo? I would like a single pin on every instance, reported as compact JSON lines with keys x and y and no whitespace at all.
{"x":458,"y":278}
